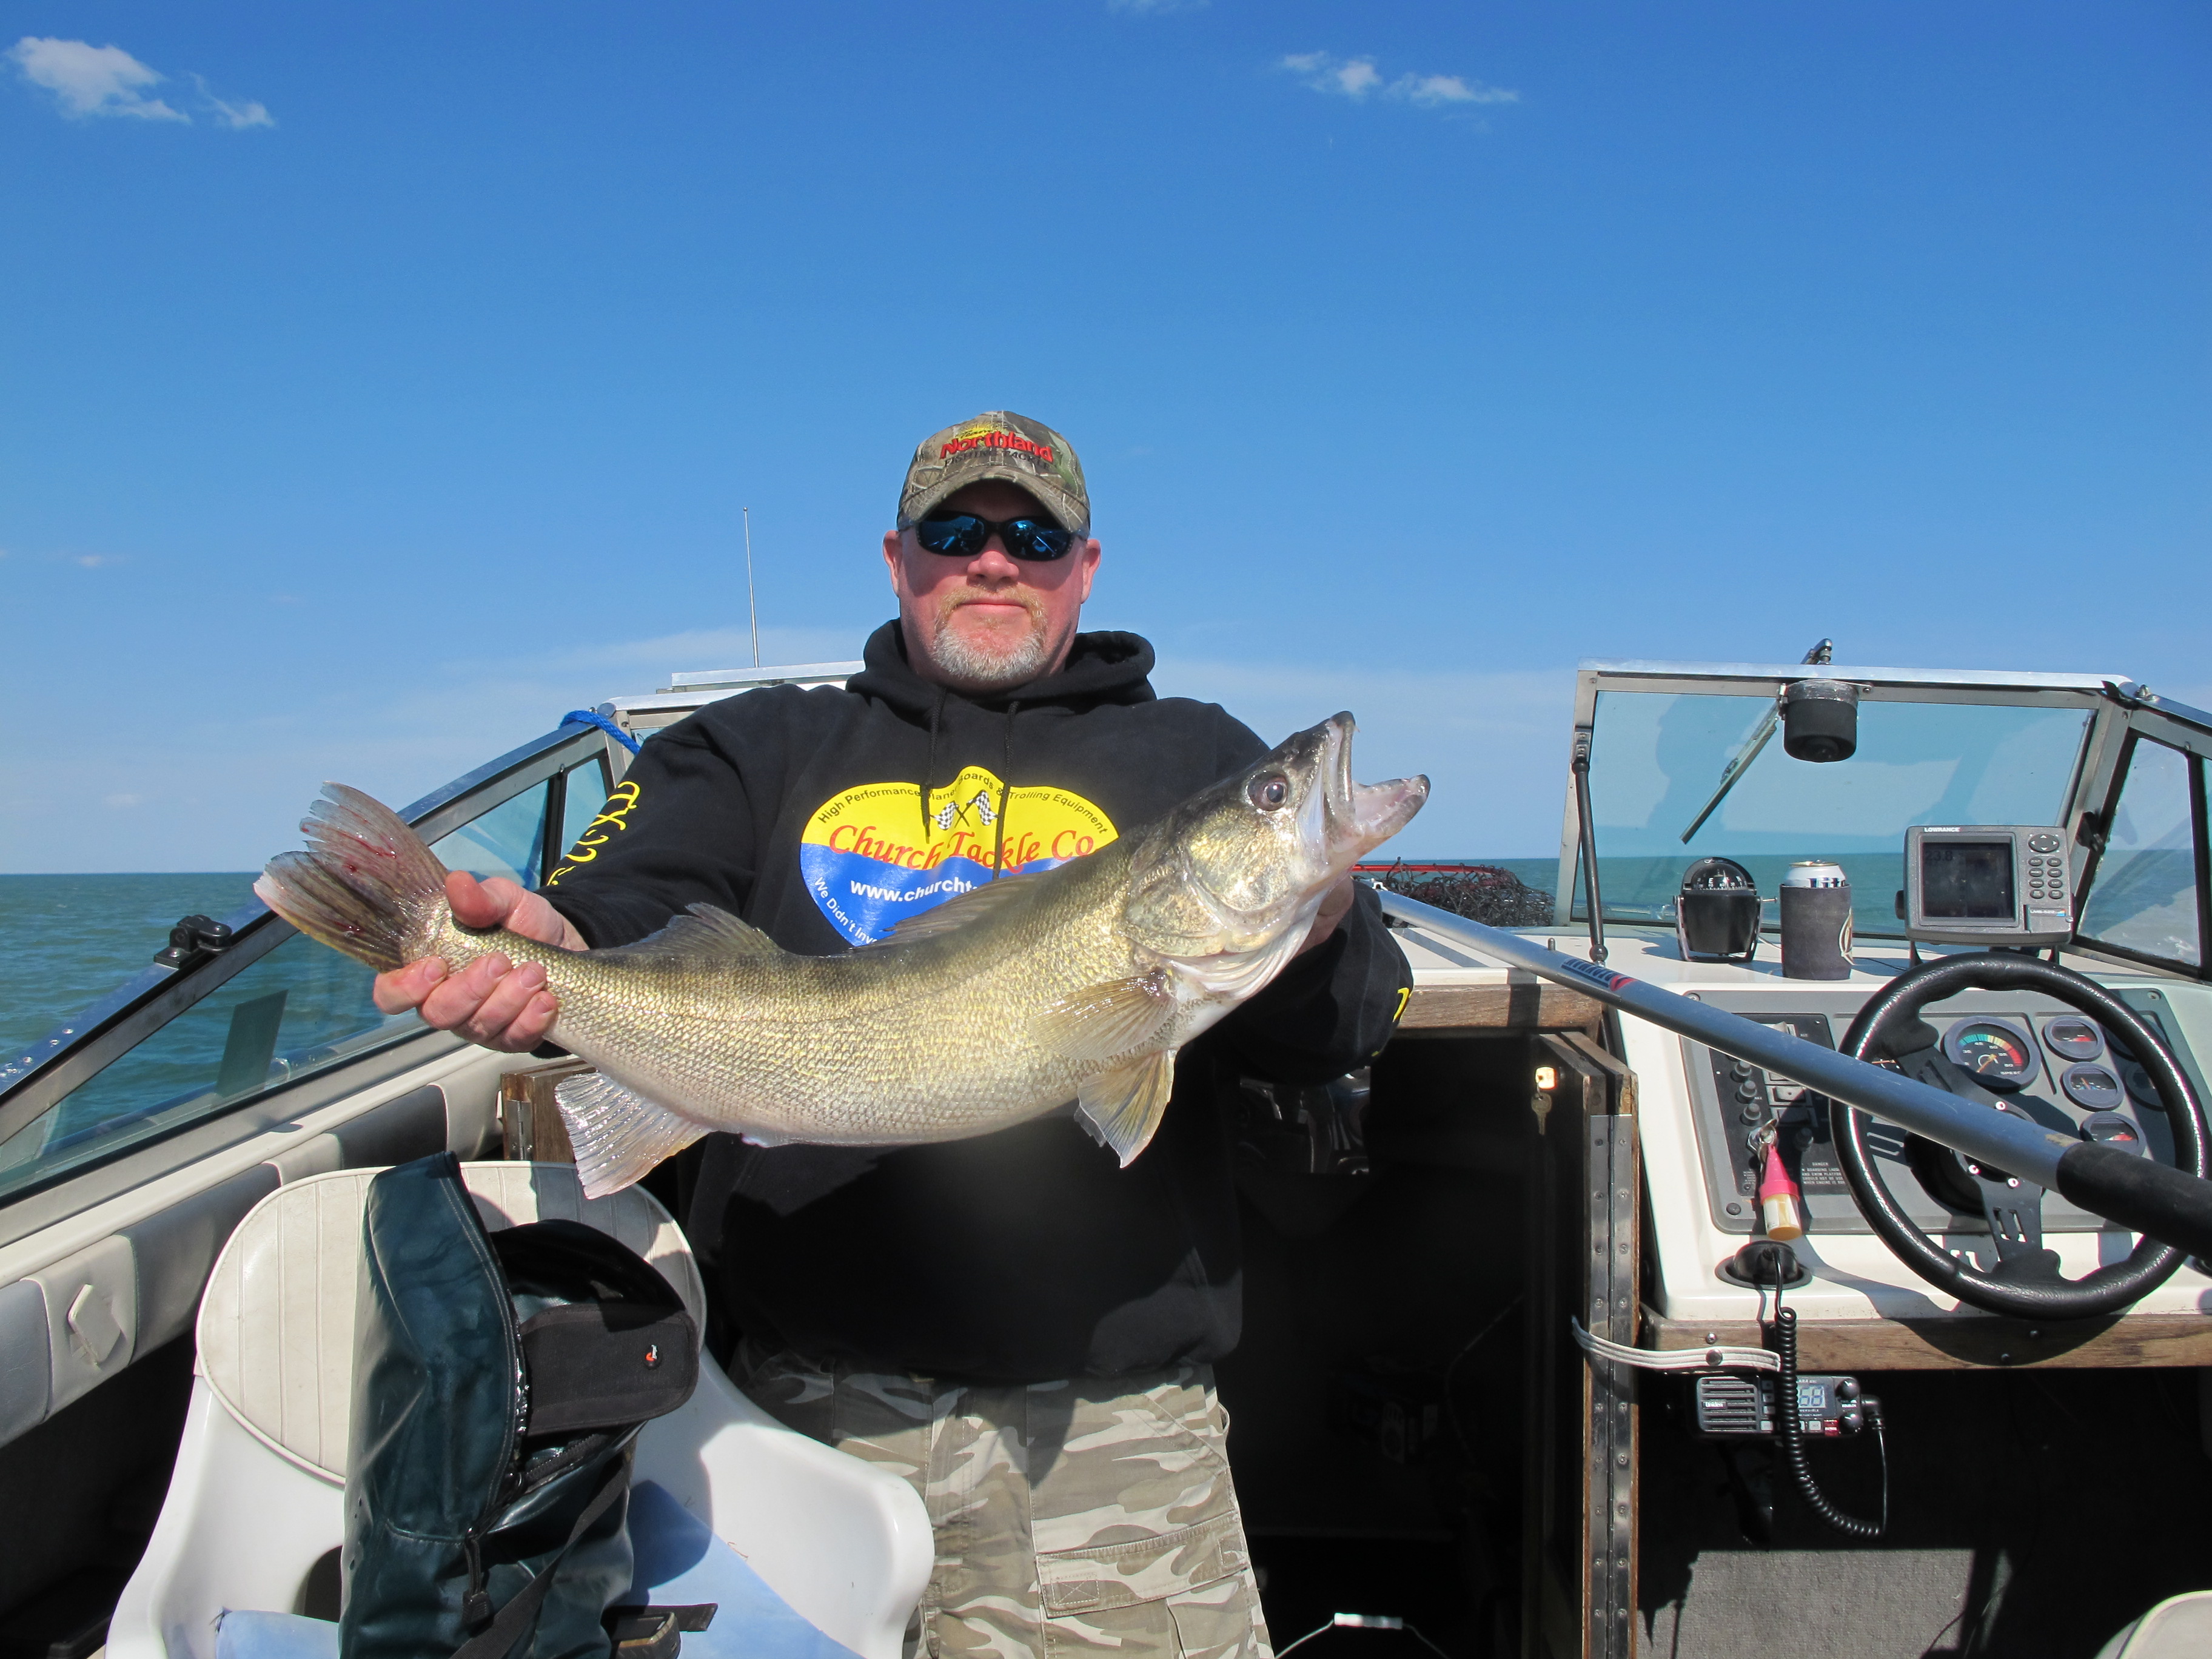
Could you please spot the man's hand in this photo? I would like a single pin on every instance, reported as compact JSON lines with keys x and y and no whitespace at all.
{"x":1335,"y":905}
{"x":491,"y":1001}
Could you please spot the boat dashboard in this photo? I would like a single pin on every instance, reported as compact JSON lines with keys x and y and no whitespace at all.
{"x":2042,"y":831}
{"x":1703,"y":1118}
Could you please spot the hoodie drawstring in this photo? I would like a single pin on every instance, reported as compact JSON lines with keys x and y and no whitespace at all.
{"x":929,"y":771}
{"x":1006,"y":791}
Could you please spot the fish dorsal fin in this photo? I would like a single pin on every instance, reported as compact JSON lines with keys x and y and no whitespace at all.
{"x":618,"y":1136}
{"x":1241,"y":973}
{"x":1103,"y":1021}
{"x":963,"y":909}
{"x":1122,"y":1107}
{"x":706,"y":934}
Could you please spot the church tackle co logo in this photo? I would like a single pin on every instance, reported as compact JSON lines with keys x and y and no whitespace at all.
{"x":871,"y":856}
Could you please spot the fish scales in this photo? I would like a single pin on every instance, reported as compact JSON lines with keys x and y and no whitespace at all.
{"x":940,"y":1054}
{"x":1079,"y":984}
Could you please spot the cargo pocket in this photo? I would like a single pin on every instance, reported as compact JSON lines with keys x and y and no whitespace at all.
{"x":1185,"y":1592}
{"x":1220,"y":1621}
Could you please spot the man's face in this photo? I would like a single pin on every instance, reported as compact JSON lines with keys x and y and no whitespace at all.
{"x":983,"y":624}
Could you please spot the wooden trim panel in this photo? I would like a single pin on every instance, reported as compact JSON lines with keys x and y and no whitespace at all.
{"x":1522,"y":1003}
{"x":1966,"y":1343}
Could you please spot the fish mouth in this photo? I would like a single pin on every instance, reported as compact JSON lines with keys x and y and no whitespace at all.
{"x":1361,"y":817}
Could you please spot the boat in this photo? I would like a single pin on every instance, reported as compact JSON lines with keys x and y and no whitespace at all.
{"x":1511,"y":1378}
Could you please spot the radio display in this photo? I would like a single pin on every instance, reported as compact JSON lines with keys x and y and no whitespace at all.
{"x":1966,"y":881}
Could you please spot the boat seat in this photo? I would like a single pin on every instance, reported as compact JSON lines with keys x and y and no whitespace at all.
{"x":2179,"y":1627}
{"x":256,"y":1502}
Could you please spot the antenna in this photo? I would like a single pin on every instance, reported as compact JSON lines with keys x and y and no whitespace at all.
{"x":752,"y":605}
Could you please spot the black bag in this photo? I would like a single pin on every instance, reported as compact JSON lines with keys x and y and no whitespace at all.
{"x":499,"y":1381}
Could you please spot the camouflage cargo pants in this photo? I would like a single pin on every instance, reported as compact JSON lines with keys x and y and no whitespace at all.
{"x":1072,"y":1518}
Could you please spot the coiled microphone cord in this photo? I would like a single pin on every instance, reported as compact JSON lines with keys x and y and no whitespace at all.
{"x":1793,"y":1449}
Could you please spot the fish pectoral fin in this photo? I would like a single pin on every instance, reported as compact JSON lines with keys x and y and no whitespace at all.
{"x":619,"y":1136}
{"x":1122,"y":1107}
{"x":1104,"y":1021}
{"x":964,"y":909}
{"x":1240,"y":974}
{"x":704,"y":933}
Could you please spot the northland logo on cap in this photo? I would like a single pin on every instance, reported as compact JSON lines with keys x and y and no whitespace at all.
{"x":993,"y":437}
{"x":1001,"y":445}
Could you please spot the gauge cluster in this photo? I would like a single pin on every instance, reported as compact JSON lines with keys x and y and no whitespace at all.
{"x":2059,"y":1067}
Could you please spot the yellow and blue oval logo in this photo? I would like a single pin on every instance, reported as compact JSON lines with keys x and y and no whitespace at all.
{"x":873,"y":855}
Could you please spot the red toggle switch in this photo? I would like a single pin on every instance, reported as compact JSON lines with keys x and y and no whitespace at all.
{"x":1781,"y":1206}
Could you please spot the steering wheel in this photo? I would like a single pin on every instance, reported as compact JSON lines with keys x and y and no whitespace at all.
{"x":2026,"y":1282}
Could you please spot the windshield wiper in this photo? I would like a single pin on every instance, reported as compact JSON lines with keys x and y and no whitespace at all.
{"x":1820,"y":656}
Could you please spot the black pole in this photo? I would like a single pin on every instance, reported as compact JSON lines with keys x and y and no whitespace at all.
{"x":1596,"y":905}
{"x":2153,"y":1199}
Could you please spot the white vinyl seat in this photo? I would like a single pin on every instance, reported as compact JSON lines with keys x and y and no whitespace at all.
{"x":257,"y":1496}
{"x":2179,"y":1627}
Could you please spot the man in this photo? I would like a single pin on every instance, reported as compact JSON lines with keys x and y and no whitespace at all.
{"x":1016,"y":1326}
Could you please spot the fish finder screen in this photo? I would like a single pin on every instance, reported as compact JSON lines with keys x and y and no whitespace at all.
{"x":1966,"y":880}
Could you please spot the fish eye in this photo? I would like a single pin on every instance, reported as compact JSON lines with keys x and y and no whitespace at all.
{"x":1270,"y":793}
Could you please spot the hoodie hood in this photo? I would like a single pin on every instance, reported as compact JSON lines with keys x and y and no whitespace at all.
{"x":1107,"y":667}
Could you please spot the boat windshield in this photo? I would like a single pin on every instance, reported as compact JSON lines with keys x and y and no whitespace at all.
{"x":1658,"y":759}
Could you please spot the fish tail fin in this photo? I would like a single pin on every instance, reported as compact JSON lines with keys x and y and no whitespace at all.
{"x":367,"y":886}
{"x":619,"y":1136}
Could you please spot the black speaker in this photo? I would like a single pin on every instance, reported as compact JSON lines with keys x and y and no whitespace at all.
{"x":1819,"y":719}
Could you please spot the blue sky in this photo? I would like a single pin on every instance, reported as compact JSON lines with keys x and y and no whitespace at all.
{"x":397,"y":383}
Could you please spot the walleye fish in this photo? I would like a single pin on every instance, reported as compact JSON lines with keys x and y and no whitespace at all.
{"x":1078,"y":983}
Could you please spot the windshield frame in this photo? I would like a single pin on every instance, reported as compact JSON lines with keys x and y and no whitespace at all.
{"x":2110,"y":701}
{"x":2178,"y":726}
{"x":79,"y":1048}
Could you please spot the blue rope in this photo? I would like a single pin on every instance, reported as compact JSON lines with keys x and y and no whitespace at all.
{"x":585,"y":717}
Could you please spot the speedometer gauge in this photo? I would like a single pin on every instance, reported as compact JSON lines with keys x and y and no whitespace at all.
{"x":1998,"y":1053}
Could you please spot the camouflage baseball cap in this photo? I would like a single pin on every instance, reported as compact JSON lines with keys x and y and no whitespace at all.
{"x":998,"y":445}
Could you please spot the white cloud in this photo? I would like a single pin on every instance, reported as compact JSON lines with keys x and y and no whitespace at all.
{"x":1357,"y":77}
{"x":91,"y":80}
{"x":1352,"y":77}
{"x":1433,"y":89}
{"x":236,"y":115}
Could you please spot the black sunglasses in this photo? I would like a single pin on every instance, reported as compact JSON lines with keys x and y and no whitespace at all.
{"x":963,"y":536}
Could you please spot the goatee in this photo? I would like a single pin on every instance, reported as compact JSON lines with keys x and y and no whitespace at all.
{"x":989,"y":664}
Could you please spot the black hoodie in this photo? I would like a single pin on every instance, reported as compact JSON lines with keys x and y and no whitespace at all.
{"x":1025,"y":1254}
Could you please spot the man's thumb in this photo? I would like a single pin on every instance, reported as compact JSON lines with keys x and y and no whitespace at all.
{"x":474,"y":905}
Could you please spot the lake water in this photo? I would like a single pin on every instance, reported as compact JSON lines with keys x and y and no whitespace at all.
{"x":66,"y":941}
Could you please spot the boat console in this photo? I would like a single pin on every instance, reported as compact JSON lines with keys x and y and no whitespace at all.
{"x":1574,"y":1325}
{"x":2011,"y":873}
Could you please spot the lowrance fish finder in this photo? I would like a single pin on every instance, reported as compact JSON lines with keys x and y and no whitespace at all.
{"x":1987,"y":883}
